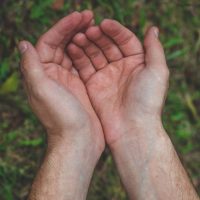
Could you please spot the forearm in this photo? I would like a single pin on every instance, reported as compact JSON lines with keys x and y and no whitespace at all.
{"x":149,"y":166}
{"x":65,"y":173}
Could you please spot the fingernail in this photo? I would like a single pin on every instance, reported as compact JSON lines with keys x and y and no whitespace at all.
{"x":75,"y":12}
{"x":156,"y":32}
{"x":92,"y":22}
{"x":22,"y":47}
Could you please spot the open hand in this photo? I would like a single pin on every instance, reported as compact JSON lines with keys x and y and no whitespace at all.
{"x":56,"y":93}
{"x":126,"y":83}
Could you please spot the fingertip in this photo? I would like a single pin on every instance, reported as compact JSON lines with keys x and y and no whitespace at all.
{"x":87,"y":14}
{"x":78,"y":38}
{"x":155,"y":55}
{"x":89,"y":30}
{"x":75,"y":14}
{"x":107,"y":24}
{"x":152,"y":32}
{"x":70,"y":21}
{"x":70,"y":47}
{"x":30,"y":63}
{"x":92,"y":23}
{"x":156,"y":31}
{"x":23,"y":46}
{"x":93,"y":32}
{"x":73,"y":50}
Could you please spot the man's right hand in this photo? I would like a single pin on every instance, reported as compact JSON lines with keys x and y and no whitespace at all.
{"x":59,"y":98}
{"x":55,"y":91}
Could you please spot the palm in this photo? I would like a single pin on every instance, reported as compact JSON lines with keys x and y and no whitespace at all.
{"x":57,"y":94}
{"x":69,"y":81}
{"x":112,"y":84}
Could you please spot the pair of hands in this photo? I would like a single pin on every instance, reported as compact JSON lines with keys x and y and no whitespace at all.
{"x":90,"y":85}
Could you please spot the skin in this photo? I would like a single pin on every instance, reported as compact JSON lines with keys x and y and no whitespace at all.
{"x":59,"y":99}
{"x":78,"y":83}
{"x":127,"y":85}
{"x":122,"y":88}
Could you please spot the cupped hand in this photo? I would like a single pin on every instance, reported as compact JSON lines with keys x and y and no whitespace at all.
{"x":126,"y":83}
{"x":56,"y":93}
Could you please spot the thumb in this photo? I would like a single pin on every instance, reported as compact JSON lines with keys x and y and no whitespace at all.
{"x":31,"y":66}
{"x":154,"y":55}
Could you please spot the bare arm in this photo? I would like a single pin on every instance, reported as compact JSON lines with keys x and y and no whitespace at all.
{"x":65,"y":173}
{"x":59,"y":99}
{"x":128,"y":92}
{"x":149,"y":166}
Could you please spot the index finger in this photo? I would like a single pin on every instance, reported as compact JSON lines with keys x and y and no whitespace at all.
{"x":61,"y":33}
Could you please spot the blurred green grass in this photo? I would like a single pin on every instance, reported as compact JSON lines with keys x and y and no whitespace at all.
{"x":22,"y":140}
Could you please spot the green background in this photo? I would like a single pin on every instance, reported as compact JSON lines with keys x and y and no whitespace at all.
{"x":22,"y":139}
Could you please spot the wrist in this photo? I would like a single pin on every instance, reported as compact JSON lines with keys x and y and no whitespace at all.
{"x":127,"y":126}
{"x":67,"y":169}
{"x":78,"y":154}
{"x":87,"y":139}
{"x":146,"y":135}
{"x":147,"y":163}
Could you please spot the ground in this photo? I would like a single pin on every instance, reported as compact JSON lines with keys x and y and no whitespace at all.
{"x":22,"y":139}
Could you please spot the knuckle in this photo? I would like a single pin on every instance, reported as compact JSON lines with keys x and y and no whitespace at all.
{"x":94,"y":53}
{"x":107,"y":47}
